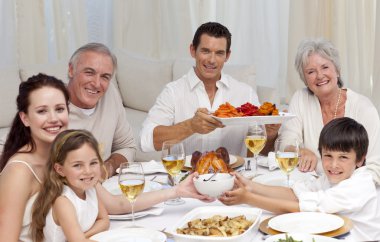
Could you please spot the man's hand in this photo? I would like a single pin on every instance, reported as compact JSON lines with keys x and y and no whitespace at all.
{"x":272,"y":133}
{"x":307,"y":161}
{"x":203,"y":123}
{"x":111,"y":165}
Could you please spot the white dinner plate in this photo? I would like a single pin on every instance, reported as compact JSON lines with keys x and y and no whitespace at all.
{"x":301,"y":237}
{"x":306,"y":222}
{"x":275,"y":119}
{"x":233,"y":159}
{"x":112,"y":186}
{"x":278,"y":177}
{"x":130,"y":235}
{"x":151,"y":211}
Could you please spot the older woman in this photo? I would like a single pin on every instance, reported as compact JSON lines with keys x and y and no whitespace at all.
{"x":324,"y":99}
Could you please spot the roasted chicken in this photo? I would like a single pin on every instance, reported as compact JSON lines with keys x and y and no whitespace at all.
{"x":210,"y":162}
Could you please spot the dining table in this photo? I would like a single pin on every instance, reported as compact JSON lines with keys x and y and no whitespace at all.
{"x":172,"y":213}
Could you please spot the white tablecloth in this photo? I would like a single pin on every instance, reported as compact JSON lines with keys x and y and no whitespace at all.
{"x":171,"y":213}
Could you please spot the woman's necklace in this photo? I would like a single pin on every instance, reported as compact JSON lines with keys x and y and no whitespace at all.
{"x":337,"y":103}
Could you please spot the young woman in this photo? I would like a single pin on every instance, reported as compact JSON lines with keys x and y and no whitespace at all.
{"x":67,"y":207}
{"x":42,"y":105}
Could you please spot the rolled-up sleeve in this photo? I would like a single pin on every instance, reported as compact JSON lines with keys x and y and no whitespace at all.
{"x":162,"y":113}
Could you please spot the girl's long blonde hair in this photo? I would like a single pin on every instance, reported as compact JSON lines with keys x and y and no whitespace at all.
{"x":52,"y":187}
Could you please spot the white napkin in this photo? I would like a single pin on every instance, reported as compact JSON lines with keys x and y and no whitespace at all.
{"x":269,"y":161}
{"x":151,"y":167}
{"x":156,"y":210}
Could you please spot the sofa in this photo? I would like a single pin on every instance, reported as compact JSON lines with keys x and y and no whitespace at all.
{"x":139,"y":80}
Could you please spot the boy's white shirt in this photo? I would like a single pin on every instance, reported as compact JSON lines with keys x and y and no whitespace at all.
{"x":355,"y":197}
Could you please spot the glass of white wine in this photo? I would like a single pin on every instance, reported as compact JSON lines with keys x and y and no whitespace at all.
{"x":287,"y":153}
{"x":255,"y":141}
{"x":173,"y":159}
{"x":131,"y":182}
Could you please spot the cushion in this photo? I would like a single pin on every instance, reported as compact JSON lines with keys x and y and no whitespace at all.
{"x":243,"y":73}
{"x":58,"y":70}
{"x":136,"y":118}
{"x":141,"y":80}
{"x":9,"y":82}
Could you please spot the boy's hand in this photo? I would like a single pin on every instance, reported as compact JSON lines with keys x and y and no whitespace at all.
{"x":236,"y":196}
{"x":247,"y":183}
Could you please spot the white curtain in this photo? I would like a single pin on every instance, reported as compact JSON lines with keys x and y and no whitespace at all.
{"x":8,"y":34}
{"x":165,"y":29}
{"x":66,"y":25}
{"x":265,"y":33}
{"x":376,"y":62}
{"x":349,"y":25}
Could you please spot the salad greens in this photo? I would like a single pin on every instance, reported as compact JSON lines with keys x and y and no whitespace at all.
{"x":290,"y":239}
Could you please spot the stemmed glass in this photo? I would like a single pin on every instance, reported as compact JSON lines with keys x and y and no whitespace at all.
{"x":287,"y":153}
{"x":131,"y":182}
{"x":255,"y":141}
{"x":173,"y":159}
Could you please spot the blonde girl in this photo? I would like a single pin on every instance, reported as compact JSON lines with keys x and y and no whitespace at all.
{"x":67,"y":207}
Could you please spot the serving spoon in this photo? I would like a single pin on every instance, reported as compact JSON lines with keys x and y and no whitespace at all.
{"x":208,"y":179}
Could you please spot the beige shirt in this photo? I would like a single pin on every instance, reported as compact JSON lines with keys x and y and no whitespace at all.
{"x":108,"y":123}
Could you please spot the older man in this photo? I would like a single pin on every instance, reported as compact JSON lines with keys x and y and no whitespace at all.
{"x":95,"y":104}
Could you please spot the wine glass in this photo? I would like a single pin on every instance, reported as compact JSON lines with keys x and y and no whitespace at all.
{"x":131,"y":182}
{"x":173,"y":159}
{"x":287,"y":153}
{"x":255,"y":141}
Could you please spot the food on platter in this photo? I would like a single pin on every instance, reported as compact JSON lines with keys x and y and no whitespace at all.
{"x":211,"y":161}
{"x":227,"y":110}
{"x":248,"y":109}
{"x":217,"y":225}
{"x":268,"y":108}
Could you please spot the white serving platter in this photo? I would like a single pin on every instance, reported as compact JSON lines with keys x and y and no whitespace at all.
{"x":247,"y":120}
{"x":209,"y":211}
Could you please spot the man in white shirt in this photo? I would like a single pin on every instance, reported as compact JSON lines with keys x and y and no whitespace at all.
{"x":182,"y":110}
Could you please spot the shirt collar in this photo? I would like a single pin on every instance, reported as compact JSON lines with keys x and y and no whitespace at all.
{"x":194,"y":80}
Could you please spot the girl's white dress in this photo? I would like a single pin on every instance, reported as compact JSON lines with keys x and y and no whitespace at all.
{"x":355,"y":198}
{"x":86,"y":210}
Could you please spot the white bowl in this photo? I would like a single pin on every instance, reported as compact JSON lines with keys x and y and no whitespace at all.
{"x":209,"y":211}
{"x":220,"y":183}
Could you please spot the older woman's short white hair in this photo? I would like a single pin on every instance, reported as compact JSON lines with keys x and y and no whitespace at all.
{"x":319,"y":46}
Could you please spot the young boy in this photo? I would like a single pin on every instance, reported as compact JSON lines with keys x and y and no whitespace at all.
{"x":346,"y":187}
